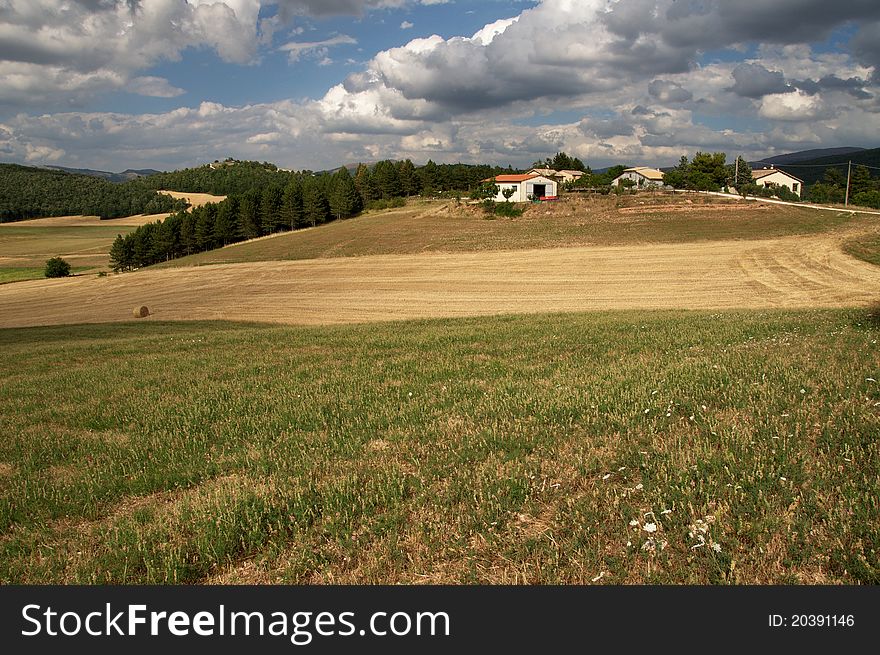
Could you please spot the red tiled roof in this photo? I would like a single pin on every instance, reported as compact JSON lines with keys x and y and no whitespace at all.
{"x":511,"y":178}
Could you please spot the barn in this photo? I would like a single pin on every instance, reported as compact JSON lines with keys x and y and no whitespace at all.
{"x":525,"y":187}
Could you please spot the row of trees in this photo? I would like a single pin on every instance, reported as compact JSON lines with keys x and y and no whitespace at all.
{"x":710,"y":172}
{"x":27,"y":192}
{"x":383,"y":180}
{"x":306,"y":201}
{"x":864,"y":190}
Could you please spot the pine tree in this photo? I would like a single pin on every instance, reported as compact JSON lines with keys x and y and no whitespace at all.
{"x":740,"y":173}
{"x":410,"y":184}
{"x":344,"y":198}
{"x":430,"y":178}
{"x":860,"y":180}
{"x":292,"y":205}
{"x":315,"y":207}
{"x":270,"y":209}
{"x":387,"y":180}
{"x":122,"y":254}
{"x":249,"y":213}
{"x":365,"y":184}
{"x":224,"y":228}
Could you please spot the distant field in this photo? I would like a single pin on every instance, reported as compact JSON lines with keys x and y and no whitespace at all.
{"x":20,"y":274}
{"x":84,"y":246}
{"x":639,"y":447}
{"x":83,"y":240}
{"x":195,"y":199}
{"x":445,"y":227}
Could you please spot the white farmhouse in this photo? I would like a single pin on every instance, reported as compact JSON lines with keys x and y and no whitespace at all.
{"x":525,"y":187}
{"x":766,"y":176}
{"x":642,"y":176}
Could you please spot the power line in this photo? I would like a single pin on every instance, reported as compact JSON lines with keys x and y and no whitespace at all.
{"x":843,"y":163}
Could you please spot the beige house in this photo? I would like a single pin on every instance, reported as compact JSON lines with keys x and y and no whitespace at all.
{"x":525,"y":187}
{"x":642,"y":176}
{"x":767,"y":176}
{"x":569,"y":176}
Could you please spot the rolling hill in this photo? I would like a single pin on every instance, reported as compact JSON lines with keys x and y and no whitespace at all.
{"x":812,"y":170}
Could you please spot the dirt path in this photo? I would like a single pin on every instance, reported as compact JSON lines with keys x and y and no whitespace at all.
{"x":787,"y":272}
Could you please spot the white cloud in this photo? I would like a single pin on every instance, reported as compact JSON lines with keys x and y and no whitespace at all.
{"x":154,"y":87}
{"x":406,"y":25}
{"x":297,"y":50}
{"x":627,"y":76}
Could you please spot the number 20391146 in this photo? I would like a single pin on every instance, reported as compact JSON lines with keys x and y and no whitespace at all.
{"x":811,"y":621}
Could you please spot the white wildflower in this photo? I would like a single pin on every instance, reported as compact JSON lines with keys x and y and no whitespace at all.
{"x":634,"y":523}
{"x":716,"y":548}
{"x":650,"y":527}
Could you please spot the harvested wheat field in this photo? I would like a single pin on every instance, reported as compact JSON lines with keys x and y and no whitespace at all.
{"x":788,"y":272}
{"x":85,"y":221}
{"x":194,"y":199}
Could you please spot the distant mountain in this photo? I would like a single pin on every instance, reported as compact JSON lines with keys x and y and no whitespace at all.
{"x":812,"y":170}
{"x":807,"y":155}
{"x":124,"y":176}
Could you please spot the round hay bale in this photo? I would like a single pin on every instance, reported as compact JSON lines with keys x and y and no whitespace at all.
{"x":141,"y":312}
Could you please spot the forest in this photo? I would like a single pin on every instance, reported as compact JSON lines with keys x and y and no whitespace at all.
{"x":263,"y":199}
{"x":27,"y":192}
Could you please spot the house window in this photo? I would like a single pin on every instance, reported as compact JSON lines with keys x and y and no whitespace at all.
{"x":794,"y":187}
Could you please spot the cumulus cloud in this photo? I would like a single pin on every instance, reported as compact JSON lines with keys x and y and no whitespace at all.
{"x":467,"y":98}
{"x":320,"y":49}
{"x":669,"y":92}
{"x":154,"y":87}
{"x":755,"y":81}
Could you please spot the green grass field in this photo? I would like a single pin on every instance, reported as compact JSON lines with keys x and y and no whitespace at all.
{"x":21,"y":274}
{"x":84,"y":246}
{"x":617,"y":448}
{"x":443,"y":227}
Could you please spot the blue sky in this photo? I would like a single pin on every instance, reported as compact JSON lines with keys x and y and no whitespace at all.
{"x":113,"y":84}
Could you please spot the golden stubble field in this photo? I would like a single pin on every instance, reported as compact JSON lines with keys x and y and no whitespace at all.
{"x":84,"y":241}
{"x":786,"y":272}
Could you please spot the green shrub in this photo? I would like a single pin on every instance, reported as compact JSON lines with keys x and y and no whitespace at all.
{"x":57,"y":267}
{"x":508,"y":210}
{"x":391,"y":203}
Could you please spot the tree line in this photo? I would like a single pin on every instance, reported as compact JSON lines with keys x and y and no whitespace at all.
{"x":381,"y":181}
{"x":28,"y":192}
{"x":304,"y":201}
{"x":710,"y":172}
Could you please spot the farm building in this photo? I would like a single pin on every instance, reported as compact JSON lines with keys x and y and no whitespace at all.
{"x":767,"y":176}
{"x":525,"y":187}
{"x":562,"y":177}
{"x":570,"y":176}
{"x":546,"y":172}
{"x":641,"y":176}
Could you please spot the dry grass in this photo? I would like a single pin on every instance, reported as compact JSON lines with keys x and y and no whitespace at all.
{"x":444,"y":227}
{"x":789,"y":272}
{"x":194,"y":199}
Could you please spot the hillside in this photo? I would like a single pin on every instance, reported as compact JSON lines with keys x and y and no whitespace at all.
{"x":29,"y":192}
{"x":806,"y":155}
{"x":124,"y":176}
{"x":812,"y":170}
{"x":444,"y":227}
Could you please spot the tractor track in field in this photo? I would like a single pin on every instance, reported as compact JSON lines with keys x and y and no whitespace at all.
{"x":786,"y":272}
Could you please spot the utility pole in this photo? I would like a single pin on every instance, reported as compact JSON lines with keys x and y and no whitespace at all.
{"x":848,"y":176}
